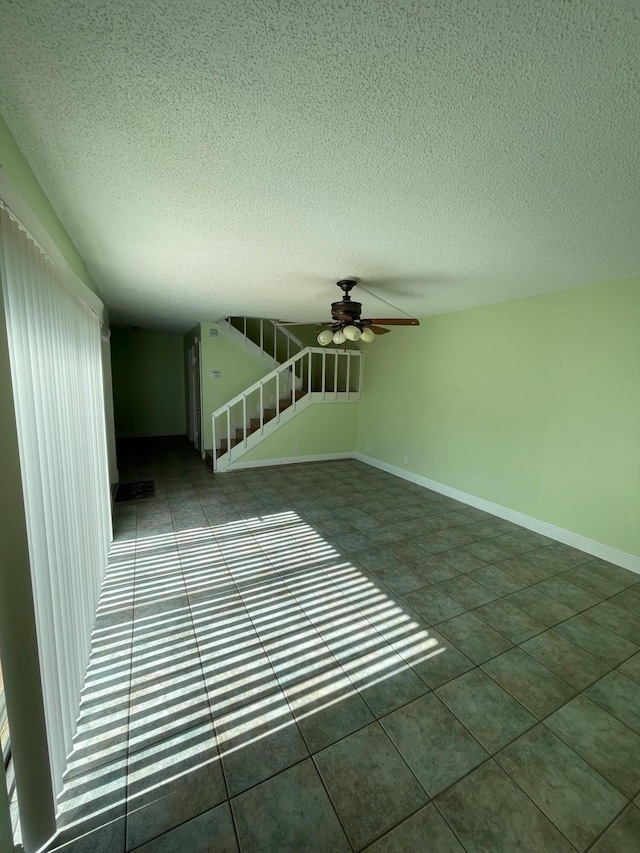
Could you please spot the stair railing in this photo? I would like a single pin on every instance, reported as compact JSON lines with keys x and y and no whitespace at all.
{"x":282,"y":337}
{"x":326,"y":375}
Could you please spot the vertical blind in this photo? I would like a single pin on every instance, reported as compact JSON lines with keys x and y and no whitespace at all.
{"x":55,"y":353}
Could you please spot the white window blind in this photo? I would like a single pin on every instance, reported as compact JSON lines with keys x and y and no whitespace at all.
{"x":55,"y":353}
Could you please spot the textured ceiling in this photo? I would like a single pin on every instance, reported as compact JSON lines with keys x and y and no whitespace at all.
{"x":238,"y":157}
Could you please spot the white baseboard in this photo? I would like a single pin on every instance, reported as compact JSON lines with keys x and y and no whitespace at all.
{"x":567,"y":537}
{"x":290,"y":460}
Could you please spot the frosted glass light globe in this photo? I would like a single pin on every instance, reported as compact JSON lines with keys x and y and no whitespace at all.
{"x":367,"y":336}
{"x":339,"y":337}
{"x":325,"y":337}
{"x":352,"y":333}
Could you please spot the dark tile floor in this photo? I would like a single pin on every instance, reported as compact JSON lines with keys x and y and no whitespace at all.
{"x":327,"y":658}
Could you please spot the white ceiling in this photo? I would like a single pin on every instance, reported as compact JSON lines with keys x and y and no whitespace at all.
{"x":239,"y":156}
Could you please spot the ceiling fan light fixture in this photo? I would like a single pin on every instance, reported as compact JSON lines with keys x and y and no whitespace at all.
{"x":346,"y":322}
{"x":352,"y":333}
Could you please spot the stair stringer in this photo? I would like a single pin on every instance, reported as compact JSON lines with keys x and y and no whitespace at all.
{"x":228,"y":461}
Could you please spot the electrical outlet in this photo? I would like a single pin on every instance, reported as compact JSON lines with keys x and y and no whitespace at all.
{"x":295,"y":447}
{"x":405,"y":460}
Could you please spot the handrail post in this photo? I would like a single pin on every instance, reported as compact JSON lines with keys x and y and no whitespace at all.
{"x":244,"y":419}
{"x":348,"y":375}
{"x":214,"y":454}
{"x":293,"y":385}
{"x":261,"y":408}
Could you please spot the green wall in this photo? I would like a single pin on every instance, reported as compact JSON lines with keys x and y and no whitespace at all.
{"x":19,"y":173}
{"x":532,"y":404}
{"x":320,"y":428}
{"x":148,"y":383}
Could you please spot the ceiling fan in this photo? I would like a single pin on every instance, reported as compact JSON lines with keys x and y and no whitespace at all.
{"x":346,"y":323}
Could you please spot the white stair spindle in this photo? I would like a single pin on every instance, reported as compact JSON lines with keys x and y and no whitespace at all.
{"x":244,"y":420}
{"x":261,"y":408}
{"x":214,"y":454}
{"x":293,"y":385}
{"x":278,"y":395}
{"x":348,"y":389}
{"x":261,"y":336}
{"x":229,"y":432}
{"x":324,"y":375}
{"x":335,"y":375}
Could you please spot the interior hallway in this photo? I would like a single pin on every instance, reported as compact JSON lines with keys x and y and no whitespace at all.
{"x":266,"y":674}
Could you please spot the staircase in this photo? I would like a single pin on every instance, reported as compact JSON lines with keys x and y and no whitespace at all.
{"x":312,"y":375}
{"x":256,"y":423}
{"x":262,"y":338}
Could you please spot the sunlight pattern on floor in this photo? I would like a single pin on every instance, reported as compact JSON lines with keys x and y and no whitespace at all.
{"x":211,"y":639}
{"x":282,"y":665}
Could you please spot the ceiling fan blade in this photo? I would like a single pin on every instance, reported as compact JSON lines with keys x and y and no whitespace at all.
{"x":396,"y":322}
{"x":378,"y":330}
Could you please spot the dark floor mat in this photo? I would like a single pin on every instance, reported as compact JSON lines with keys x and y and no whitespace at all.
{"x":136,"y":491}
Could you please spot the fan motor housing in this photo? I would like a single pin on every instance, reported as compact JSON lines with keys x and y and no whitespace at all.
{"x":347,"y":306}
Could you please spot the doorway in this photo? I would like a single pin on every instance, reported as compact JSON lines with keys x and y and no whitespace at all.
{"x":195,"y":412}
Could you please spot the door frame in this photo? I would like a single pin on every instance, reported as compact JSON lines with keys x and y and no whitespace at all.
{"x":195,"y":402}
